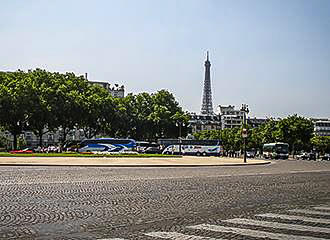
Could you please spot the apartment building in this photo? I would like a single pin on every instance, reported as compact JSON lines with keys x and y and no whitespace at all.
{"x":115,"y":91}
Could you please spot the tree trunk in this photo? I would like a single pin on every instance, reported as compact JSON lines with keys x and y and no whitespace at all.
{"x":293,"y":150}
{"x":89,"y":133}
{"x":40,"y":138}
{"x":15,"y":141}
{"x":64,"y":136}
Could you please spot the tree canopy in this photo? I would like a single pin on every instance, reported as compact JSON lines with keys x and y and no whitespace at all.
{"x":295,"y":130}
{"x":42,"y":101}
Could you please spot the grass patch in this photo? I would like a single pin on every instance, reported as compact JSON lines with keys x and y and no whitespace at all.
{"x":73,"y":154}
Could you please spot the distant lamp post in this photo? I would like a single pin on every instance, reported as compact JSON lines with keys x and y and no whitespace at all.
{"x":245,"y":110}
{"x":180,"y":124}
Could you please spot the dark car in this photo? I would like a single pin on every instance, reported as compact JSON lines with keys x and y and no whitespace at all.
{"x":152,"y":150}
{"x":326,"y":157}
{"x":311,"y":156}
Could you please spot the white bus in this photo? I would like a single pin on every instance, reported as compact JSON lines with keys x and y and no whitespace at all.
{"x":276,"y":150}
{"x":107,"y":145}
{"x":195,"y":147}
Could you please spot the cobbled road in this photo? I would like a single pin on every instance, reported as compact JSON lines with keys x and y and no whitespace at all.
{"x":283,"y":200}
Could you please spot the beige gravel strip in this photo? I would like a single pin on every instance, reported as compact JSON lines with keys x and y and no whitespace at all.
{"x":122,"y":161}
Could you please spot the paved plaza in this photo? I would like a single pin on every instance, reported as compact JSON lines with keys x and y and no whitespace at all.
{"x":232,"y":202}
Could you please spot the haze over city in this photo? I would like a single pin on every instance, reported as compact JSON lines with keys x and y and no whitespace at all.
{"x":272,"y":55}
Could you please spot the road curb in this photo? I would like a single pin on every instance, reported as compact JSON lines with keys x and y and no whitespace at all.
{"x":132,"y":165}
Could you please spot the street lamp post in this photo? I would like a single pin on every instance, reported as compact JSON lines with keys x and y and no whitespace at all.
{"x":245,"y":110}
{"x":180,"y":124}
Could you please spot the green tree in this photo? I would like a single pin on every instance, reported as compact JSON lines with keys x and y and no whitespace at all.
{"x":295,"y":130}
{"x":208,"y":134}
{"x":125,"y":117}
{"x":227,"y":139}
{"x":255,"y":140}
{"x":321,"y":143}
{"x":149,"y":116}
{"x":97,"y":106}
{"x":165,"y":111}
{"x":14,"y":102}
{"x":143,"y":108}
{"x":231,"y":139}
{"x":267,"y":130}
{"x":181,"y":120}
{"x":67,"y":101}
{"x":41,"y":111}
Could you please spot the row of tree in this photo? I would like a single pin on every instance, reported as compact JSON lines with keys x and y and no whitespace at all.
{"x":295,"y":130}
{"x":42,"y":101}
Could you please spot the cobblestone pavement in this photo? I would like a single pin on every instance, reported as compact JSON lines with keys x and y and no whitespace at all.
{"x":166,"y":203}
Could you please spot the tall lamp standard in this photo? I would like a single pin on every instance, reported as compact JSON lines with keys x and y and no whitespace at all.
{"x":180,"y":124}
{"x":245,"y":110}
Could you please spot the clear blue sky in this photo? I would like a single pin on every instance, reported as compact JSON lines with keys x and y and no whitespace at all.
{"x":272,"y":55}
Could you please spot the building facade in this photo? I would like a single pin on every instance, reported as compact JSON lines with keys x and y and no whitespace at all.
{"x":204,"y":122}
{"x":322,"y":127}
{"x":230,"y":117}
{"x":256,"y":122}
{"x":28,"y":138}
{"x":115,"y":91}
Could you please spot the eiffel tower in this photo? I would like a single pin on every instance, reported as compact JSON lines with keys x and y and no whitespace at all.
{"x":207,"y":108}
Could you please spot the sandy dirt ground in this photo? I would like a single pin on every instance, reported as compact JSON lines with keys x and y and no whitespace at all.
{"x":129,"y":161}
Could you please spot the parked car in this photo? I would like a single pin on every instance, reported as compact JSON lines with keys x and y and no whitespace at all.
{"x":306,"y":156}
{"x":250,"y":154}
{"x":311,"y":156}
{"x":326,"y":157}
{"x":152,"y":150}
{"x":302,"y":156}
{"x":26,"y":150}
